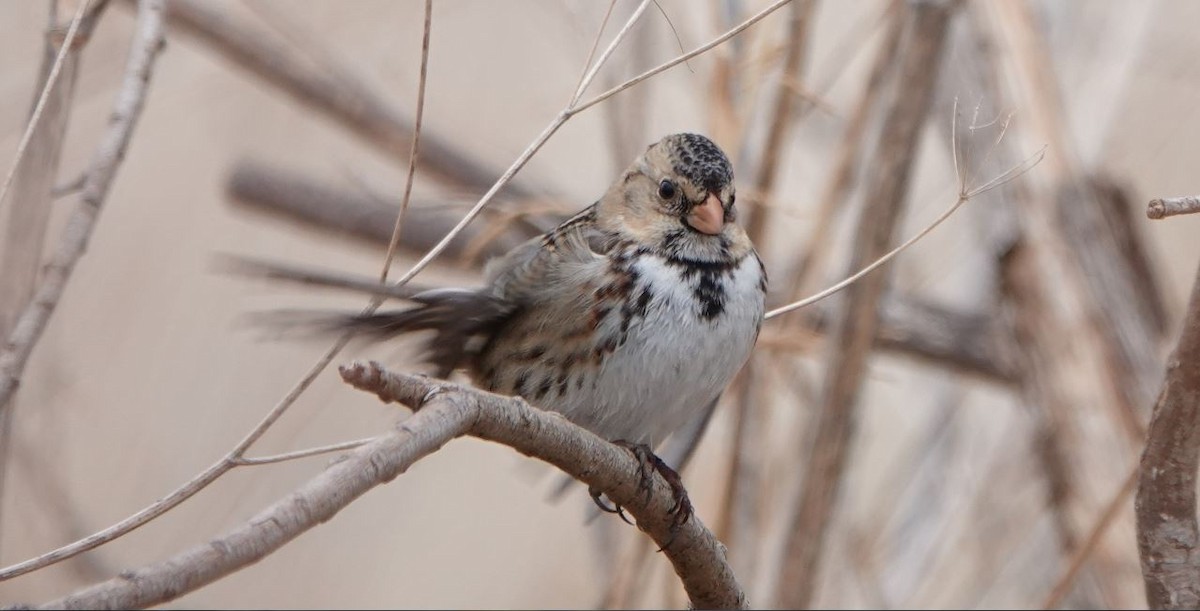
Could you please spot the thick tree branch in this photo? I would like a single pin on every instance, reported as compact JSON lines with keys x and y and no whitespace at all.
{"x":444,"y":411}
{"x":1166,"y":498}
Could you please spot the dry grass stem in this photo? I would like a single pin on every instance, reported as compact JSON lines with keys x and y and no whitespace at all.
{"x":416,"y":142}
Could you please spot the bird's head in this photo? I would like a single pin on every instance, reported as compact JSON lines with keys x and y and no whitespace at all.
{"x":678,"y":197}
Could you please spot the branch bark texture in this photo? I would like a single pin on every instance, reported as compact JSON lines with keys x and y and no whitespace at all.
{"x":443,"y":411}
{"x":1166,"y":498}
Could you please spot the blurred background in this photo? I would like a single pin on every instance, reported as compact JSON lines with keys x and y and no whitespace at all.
{"x":981,"y":459}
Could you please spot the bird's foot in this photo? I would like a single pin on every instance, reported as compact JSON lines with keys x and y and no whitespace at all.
{"x":648,"y":464}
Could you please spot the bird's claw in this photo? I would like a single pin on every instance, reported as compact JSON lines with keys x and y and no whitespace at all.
{"x":596,"y":498}
{"x":648,"y":463}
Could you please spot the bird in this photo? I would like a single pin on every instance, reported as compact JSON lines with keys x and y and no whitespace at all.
{"x":629,"y":318}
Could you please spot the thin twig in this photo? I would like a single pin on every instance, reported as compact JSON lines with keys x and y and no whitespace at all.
{"x":841,"y":180}
{"x":592,"y":52}
{"x":242,"y":461}
{"x":130,"y":100}
{"x":51,"y":81}
{"x":682,"y":58}
{"x":33,"y":320}
{"x":416,"y":141}
{"x":590,"y":74}
{"x":1171,"y":206}
{"x":1007,"y":176}
{"x":444,"y":411}
{"x":562,"y":118}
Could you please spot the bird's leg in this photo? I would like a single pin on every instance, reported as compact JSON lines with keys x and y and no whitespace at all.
{"x":682,"y":510}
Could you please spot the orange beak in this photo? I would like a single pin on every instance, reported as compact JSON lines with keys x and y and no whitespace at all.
{"x":708,"y":217}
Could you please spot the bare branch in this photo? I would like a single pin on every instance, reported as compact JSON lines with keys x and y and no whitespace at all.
{"x":286,"y":456}
{"x":1166,"y":498}
{"x":103,"y":169}
{"x":444,"y":411}
{"x":51,"y":81}
{"x":592,"y":52}
{"x":1172,"y":206}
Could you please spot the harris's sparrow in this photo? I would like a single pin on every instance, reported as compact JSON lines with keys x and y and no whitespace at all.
{"x":629,"y":318}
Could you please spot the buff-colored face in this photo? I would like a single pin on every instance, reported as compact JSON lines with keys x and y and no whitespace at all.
{"x":679,"y":195}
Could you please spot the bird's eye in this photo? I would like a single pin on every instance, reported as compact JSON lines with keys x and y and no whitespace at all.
{"x":666,"y":189}
{"x":732,"y":199}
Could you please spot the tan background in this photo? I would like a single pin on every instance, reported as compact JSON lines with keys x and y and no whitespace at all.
{"x":146,"y":375}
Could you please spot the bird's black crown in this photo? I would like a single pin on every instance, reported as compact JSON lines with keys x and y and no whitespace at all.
{"x":701,"y":161}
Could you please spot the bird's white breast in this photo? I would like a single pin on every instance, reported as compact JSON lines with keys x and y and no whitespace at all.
{"x":675,"y":360}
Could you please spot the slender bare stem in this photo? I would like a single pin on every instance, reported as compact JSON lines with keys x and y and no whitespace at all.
{"x":592,"y":51}
{"x":416,"y":141}
{"x":682,"y":58}
{"x":242,"y":461}
{"x":36,"y":117}
{"x":1004,"y":177}
{"x":590,"y":75}
{"x":33,"y":320}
